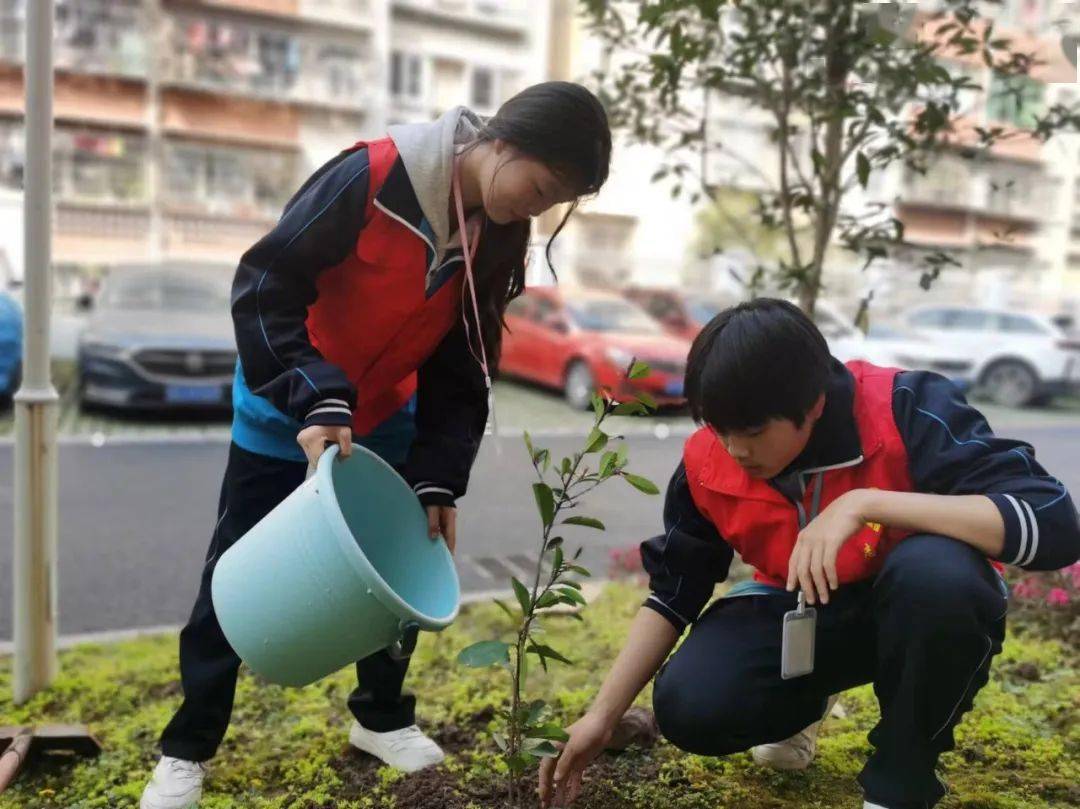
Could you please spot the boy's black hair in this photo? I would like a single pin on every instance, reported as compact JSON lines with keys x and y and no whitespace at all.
{"x":757,"y":361}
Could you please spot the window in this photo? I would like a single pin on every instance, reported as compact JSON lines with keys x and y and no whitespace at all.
{"x":229,"y":180}
{"x":1015,"y":100}
{"x":928,"y":318}
{"x":405,"y":75}
{"x":483,"y":88}
{"x":1019,"y":324}
{"x":966,"y":319}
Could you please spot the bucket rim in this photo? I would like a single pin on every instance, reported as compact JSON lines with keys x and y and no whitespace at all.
{"x":380,"y":588}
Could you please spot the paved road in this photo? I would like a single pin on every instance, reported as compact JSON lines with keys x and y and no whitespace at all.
{"x":135,"y":520}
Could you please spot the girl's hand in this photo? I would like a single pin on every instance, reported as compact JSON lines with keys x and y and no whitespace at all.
{"x":812,"y":566}
{"x":560,"y":779}
{"x":442,"y":520}
{"x":315,"y":439}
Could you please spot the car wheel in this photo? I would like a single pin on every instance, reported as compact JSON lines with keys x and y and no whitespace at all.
{"x":1011,"y":383}
{"x":579,"y":386}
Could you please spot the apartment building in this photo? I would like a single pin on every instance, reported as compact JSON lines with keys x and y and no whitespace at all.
{"x":181,"y":127}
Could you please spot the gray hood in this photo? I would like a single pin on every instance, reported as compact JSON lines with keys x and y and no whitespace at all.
{"x":427,"y":150}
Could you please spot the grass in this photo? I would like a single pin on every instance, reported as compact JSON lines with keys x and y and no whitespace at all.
{"x":287,"y":747}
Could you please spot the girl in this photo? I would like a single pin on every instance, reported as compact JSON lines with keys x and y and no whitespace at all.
{"x":358,"y":318}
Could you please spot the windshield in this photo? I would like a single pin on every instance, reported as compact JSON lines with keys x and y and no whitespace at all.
{"x":612,"y":315}
{"x":167,"y":292}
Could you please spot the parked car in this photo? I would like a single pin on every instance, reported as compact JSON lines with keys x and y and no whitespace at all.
{"x":681,"y":313}
{"x":1017,"y":358}
{"x":575,"y":341}
{"x":159,"y":338}
{"x":892,"y":346}
{"x":11,"y":335}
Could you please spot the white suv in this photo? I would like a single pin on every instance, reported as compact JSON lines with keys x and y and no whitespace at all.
{"x":1017,"y":358}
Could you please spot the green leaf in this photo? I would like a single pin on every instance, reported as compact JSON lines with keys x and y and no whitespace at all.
{"x":548,"y":652}
{"x":545,"y":501}
{"x":550,"y":731}
{"x":566,"y":464}
{"x":548,"y":599}
{"x":596,"y":441}
{"x":528,"y":444}
{"x":553,"y":543}
{"x":500,"y":740}
{"x":536,"y":710}
{"x":523,"y":597}
{"x":518,"y":763}
{"x":621,"y":455}
{"x":607,"y":464}
{"x":598,"y":405}
{"x":629,"y":409}
{"x":579,"y":570}
{"x":588,"y":522}
{"x":570,"y":583}
{"x":485,"y":653}
{"x":541,"y":748}
{"x":558,"y":563}
{"x":505,"y":608}
{"x":645,"y":399}
{"x":638,"y":370}
{"x":573,"y":595}
{"x":862,"y":166}
{"x":641,"y":484}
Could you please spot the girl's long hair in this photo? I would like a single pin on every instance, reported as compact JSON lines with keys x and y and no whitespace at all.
{"x":565,"y":127}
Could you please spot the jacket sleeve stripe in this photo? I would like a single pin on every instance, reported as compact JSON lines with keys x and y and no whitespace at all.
{"x":288,"y":244}
{"x":1034,"y":533}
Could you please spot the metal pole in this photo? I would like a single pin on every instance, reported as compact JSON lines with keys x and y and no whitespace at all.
{"x":36,"y":402}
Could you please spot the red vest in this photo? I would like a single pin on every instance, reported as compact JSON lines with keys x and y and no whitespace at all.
{"x":762,"y":525}
{"x":372,"y":317}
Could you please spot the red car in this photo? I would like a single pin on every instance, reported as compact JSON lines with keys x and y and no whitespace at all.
{"x":682,"y":314}
{"x":576,"y":341}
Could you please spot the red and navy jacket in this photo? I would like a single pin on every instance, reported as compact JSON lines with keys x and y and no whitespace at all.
{"x":342,"y":313}
{"x":896,"y":430}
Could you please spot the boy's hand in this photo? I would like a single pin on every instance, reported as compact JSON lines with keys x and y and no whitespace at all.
{"x":560,"y":779}
{"x":812,"y":566}
{"x":315,"y":439}
{"x":443,"y":520}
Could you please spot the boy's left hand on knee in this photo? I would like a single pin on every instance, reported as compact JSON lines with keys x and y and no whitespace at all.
{"x":442,"y":520}
{"x":812,"y":566}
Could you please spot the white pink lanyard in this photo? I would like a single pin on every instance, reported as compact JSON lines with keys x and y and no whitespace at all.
{"x":468,"y":250}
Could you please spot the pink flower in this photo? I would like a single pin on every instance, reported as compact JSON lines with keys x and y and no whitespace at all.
{"x":1057,"y":597}
{"x":1073,"y":572}
{"x":1027,"y":588}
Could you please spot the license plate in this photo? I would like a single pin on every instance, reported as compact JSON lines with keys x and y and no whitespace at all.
{"x":674,"y":388}
{"x":193,"y":394}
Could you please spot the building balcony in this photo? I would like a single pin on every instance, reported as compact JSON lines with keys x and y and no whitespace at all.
{"x":91,"y":37}
{"x":355,"y":14}
{"x":989,"y":189}
{"x":496,"y":16}
{"x":269,"y":63}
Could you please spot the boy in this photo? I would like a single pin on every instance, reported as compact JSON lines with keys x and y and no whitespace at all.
{"x":882,"y":496}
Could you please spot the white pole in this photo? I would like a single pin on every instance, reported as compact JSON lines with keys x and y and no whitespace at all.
{"x":36,"y":402}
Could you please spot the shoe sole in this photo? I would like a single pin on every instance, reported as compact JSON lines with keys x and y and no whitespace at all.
{"x":360,"y":743}
{"x":763,"y":761}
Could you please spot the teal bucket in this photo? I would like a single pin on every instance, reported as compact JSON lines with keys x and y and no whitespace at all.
{"x":342,"y":568}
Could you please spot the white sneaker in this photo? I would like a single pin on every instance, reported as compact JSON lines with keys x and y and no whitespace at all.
{"x":175,"y":784}
{"x":407,"y":749}
{"x":868,"y":805}
{"x":797,"y":752}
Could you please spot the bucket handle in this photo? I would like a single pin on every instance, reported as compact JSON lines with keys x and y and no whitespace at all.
{"x":403,"y":647}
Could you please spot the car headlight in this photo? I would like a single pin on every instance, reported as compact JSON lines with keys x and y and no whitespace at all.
{"x":618,"y":357}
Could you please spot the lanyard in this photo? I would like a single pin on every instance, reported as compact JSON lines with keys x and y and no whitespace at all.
{"x":469,"y":252}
